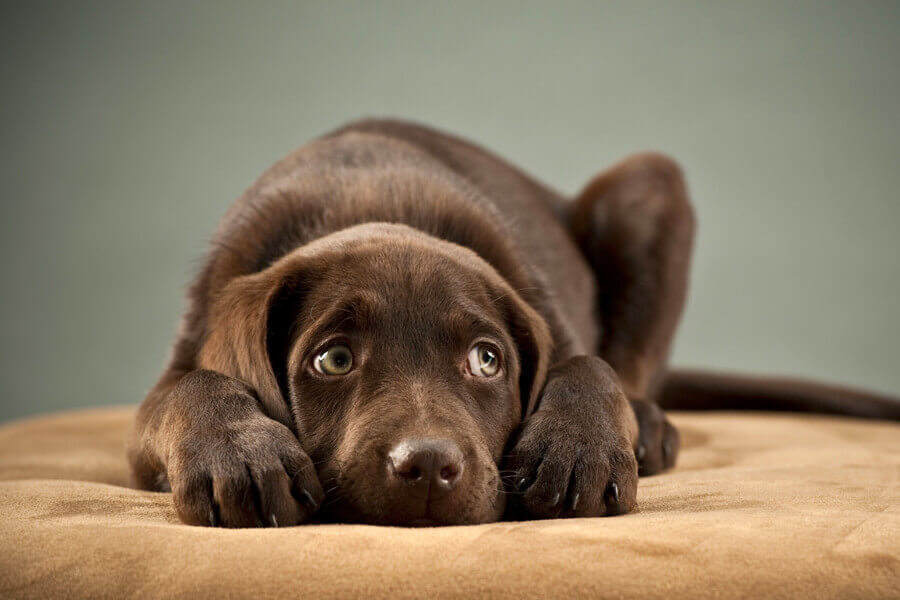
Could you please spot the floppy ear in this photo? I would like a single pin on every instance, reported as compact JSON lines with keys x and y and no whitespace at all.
{"x":249,"y":330}
{"x":531,"y":335}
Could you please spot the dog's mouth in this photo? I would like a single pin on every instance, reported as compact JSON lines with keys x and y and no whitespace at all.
{"x":350,"y":498}
{"x":340,"y":509}
{"x":429,"y":518}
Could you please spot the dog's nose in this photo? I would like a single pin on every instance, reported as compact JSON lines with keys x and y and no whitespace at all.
{"x":427,"y":463}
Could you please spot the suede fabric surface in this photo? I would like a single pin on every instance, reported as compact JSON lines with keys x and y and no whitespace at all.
{"x":760,"y":505}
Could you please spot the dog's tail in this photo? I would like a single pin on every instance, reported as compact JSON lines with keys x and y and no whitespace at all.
{"x":700,"y":390}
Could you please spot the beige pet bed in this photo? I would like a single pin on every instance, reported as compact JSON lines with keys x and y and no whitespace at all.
{"x":760,"y":506}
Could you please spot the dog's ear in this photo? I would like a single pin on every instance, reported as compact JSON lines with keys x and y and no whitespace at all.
{"x":250,"y":328}
{"x":534,"y":343}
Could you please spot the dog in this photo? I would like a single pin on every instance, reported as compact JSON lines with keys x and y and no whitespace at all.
{"x":394,"y":326}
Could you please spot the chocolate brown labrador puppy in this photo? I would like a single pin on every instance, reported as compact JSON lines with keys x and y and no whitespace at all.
{"x":394,"y":326}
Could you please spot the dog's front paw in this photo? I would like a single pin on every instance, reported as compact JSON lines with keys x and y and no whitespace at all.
{"x":575,"y":456}
{"x":658,"y":440}
{"x":229,"y":465}
{"x":254,"y":475}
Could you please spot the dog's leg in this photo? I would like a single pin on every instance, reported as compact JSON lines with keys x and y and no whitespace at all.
{"x":635,"y":225}
{"x":203,"y":435}
{"x":575,"y":454}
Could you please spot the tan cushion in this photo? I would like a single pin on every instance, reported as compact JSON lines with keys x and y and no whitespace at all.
{"x":762,"y":506}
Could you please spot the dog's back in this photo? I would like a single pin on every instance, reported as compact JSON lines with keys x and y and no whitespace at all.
{"x":535,"y":216}
{"x":398,"y":170}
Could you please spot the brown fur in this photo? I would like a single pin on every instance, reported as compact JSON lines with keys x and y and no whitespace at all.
{"x":409,"y":247}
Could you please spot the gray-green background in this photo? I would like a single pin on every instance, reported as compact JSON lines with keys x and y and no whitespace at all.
{"x":127,"y":128}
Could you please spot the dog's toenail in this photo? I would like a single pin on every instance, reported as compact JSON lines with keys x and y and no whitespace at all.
{"x":555,"y":499}
{"x":309,"y":499}
{"x":612,"y":492}
{"x":612,"y":500}
{"x":667,"y":450}
{"x":273,"y":520}
{"x":575,"y":500}
{"x":640,"y":453}
{"x":521,"y":483}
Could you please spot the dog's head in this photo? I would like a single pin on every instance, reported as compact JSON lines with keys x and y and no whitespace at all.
{"x":404,"y":363}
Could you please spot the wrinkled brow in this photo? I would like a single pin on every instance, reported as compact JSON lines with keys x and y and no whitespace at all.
{"x":355,"y":311}
{"x":472,"y":325}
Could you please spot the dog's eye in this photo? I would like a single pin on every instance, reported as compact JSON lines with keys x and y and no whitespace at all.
{"x":334,"y":360}
{"x":483,"y":361}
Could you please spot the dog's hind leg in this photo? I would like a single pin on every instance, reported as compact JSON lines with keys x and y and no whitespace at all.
{"x":635,"y":225}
